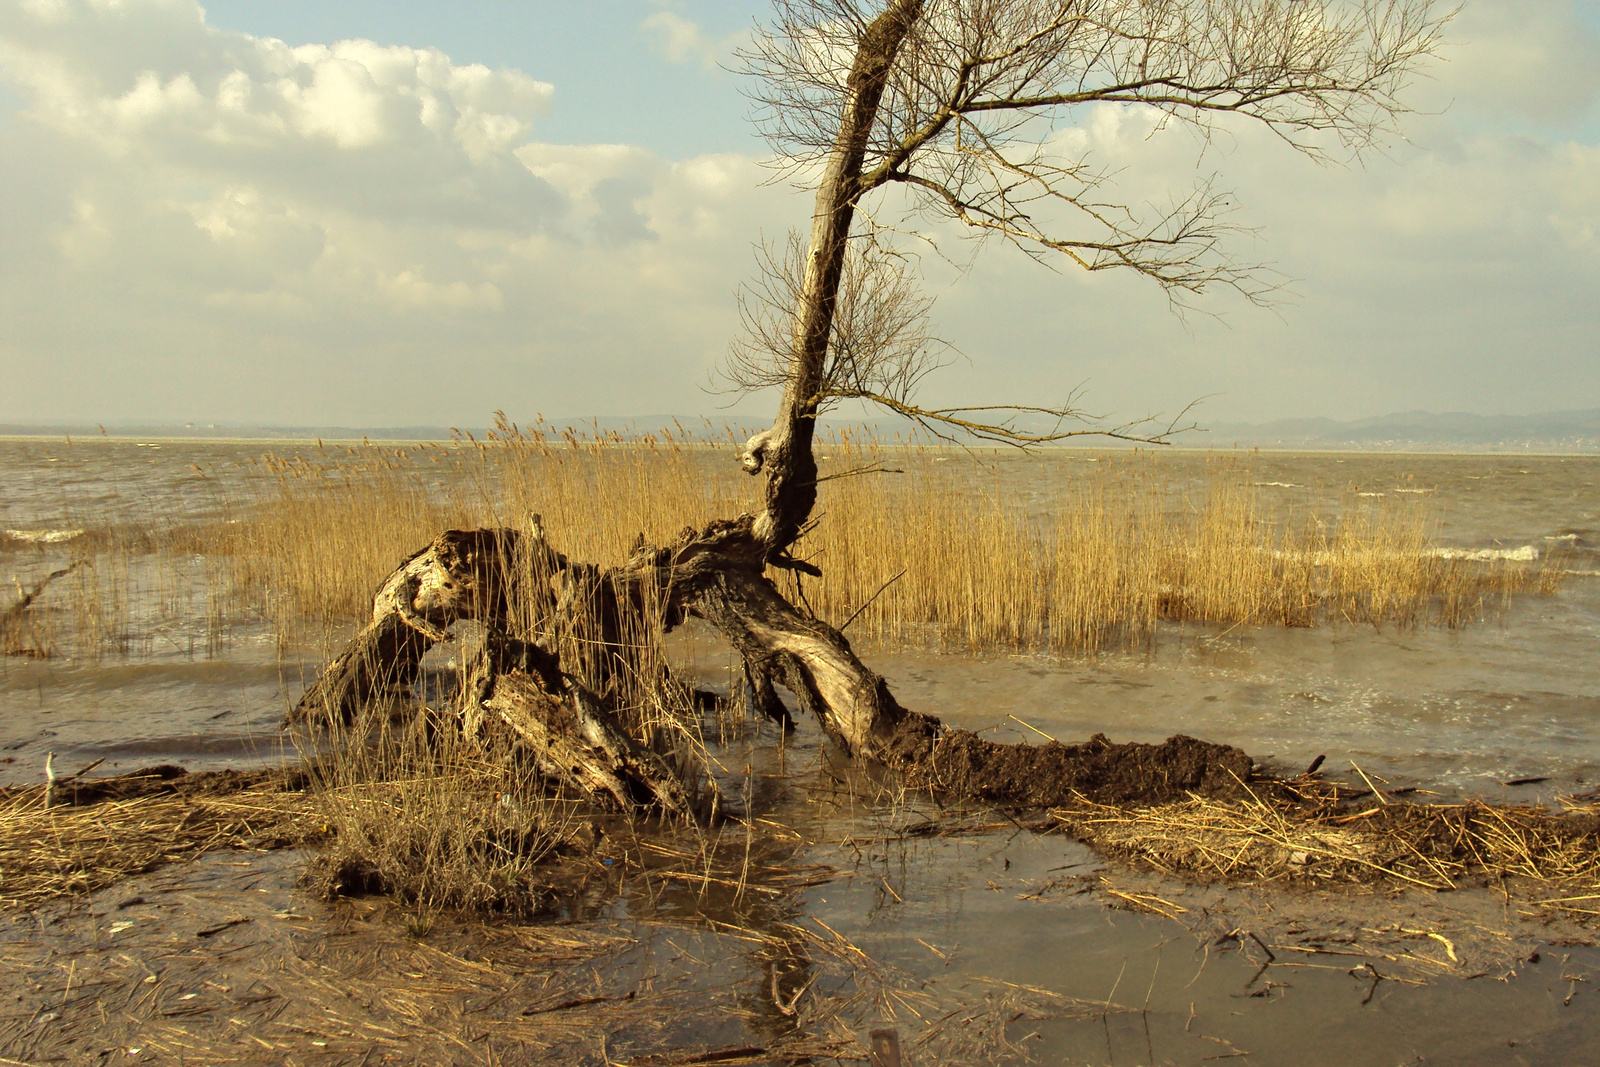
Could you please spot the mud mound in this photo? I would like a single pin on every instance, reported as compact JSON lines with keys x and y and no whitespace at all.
{"x":1051,"y":775}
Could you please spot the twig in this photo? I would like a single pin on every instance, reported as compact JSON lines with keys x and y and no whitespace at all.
{"x":1375,"y":790}
{"x":1030,"y":726}
{"x":28,"y":597}
{"x":870,"y":599}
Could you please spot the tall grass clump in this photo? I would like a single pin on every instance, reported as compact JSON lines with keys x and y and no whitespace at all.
{"x":938,"y":551}
{"x":599,"y":494}
{"x":308,"y":548}
{"x":416,"y":812}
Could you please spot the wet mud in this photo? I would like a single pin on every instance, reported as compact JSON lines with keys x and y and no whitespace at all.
{"x":962,"y":764}
{"x":977,"y":946}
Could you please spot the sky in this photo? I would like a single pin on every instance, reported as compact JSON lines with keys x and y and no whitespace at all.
{"x":402,"y":213}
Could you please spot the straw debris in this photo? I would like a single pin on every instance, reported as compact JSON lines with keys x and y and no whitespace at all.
{"x":99,"y":832}
{"x":1307,"y":832}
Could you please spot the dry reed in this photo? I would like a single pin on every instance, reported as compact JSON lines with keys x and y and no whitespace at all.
{"x":918,"y":546}
{"x":56,"y":851}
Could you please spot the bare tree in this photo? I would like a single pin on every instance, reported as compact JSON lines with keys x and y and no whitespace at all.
{"x":951,"y":105}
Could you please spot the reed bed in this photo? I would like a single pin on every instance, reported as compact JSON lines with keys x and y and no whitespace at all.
{"x":418,"y":814}
{"x":918,"y":546}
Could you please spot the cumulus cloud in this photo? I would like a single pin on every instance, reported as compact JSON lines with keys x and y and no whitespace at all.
{"x":229,"y":210}
{"x":203,"y":223}
{"x":1534,"y":59}
{"x":682,"y":40}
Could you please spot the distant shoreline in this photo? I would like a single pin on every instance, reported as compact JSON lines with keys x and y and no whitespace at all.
{"x":75,"y":439}
{"x":1560,"y":433}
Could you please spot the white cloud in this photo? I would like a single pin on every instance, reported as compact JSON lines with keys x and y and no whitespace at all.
{"x":183,"y":197}
{"x":201,"y":223}
{"x":683,"y":41}
{"x":1534,"y":59}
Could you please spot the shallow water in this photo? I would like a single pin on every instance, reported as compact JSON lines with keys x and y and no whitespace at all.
{"x":1456,"y":712}
{"x":989,"y":936}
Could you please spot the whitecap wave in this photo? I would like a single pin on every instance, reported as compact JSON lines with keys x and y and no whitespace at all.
{"x":1282,"y":485}
{"x":43,"y":537}
{"x":1525,"y":554}
{"x":1414,"y":490}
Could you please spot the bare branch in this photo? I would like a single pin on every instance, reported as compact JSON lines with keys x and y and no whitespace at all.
{"x":956,"y":108}
{"x":881,"y":340}
{"x":950,"y":424}
{"x":979,"y":86}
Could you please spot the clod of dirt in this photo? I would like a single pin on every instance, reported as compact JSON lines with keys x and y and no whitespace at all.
{"x":171,"y":779}
{"x":1051,"y":775}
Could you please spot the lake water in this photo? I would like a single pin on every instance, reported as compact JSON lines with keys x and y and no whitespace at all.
{"x":1459,"y":712}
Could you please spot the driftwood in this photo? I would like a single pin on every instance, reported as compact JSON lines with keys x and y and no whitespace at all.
{"x":568,"y":688}
{"x":463,"y":574}
{"x":12,"y":628}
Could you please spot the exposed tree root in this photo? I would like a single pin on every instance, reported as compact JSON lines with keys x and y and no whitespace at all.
{"x":571,"y":685}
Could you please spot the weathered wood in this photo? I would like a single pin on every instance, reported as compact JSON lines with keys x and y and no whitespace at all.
{"x":603,"y":630}
{"x":719,"y":574}
{"x":462,"y":574}
{"x":575,"y":741}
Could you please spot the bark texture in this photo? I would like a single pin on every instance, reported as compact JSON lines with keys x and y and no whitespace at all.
{"x":463,"y":574}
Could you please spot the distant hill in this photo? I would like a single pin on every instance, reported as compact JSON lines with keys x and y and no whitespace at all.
{"x":1419,"y":431}
{"x":1412,"y":431}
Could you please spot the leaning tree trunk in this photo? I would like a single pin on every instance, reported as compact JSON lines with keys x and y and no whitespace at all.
{"x":785,"y":451}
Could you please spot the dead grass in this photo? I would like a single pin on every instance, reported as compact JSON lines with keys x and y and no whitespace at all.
{"x":414,"y":812}
{"x":919,"y":546}
{"x":48,"y":852}
{"x":1102,"y":556}
{"x":1311,"y":832}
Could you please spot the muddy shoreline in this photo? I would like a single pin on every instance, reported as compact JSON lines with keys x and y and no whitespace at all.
{"x":675,"y":950}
